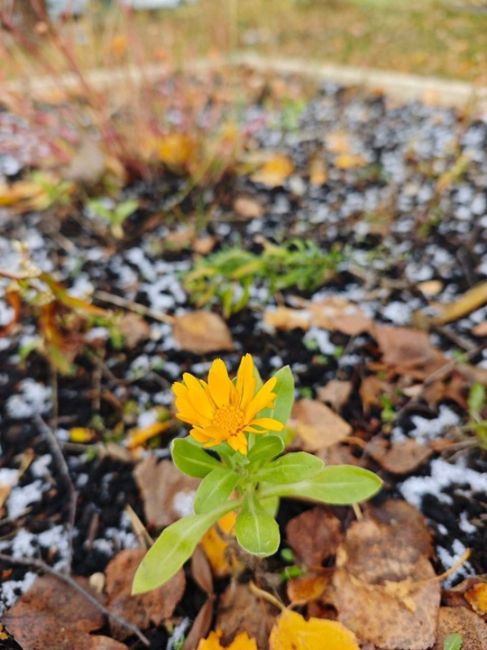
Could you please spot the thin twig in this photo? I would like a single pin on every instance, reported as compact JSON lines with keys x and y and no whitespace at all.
{"x":136,"y":307}
{"x":60,"y":461}
{"x":40,"y":565}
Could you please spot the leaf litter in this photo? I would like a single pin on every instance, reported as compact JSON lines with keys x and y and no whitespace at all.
{"x":353,"y":345}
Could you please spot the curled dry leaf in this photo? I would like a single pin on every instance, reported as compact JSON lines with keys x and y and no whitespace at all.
{"x":247,"y":208}
{"x":241,"y":642}
{"x":241,"y":611}
{"x":371,"y":389}
{"x":470,"y":301}
{"x":460,"y":620}
{"x":48,"y":617}
{"x":222,"y":556}
{"x":317,"y":426}
{"x":398,"y":457}
{"x":385,"y":589}
{"x":314,"y":535}
{"x":335,"y":393}
{"x":406,"y":347}
{"x":153,"y":607}
{"x":331,"y":313}
{"x":167,"y":494}
{"x":293,"y":632}
{"x":201,"y":332}
{"x":476,"y":597}
{"x":275,"y":171}
{"x":306,"y":589}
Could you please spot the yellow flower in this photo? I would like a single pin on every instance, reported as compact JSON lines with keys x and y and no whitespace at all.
{"x":223,"y":411}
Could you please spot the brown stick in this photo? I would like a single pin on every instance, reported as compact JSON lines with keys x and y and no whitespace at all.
{"x":45,"y":568}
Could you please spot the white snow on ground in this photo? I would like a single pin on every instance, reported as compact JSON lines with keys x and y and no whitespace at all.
{"x":426,"y":429}
{"x":10,"y":590}
{"x":443,"y":473}
{"x":22,"y":497}
{"x":33,"y":399}
{"x":449,"y":558}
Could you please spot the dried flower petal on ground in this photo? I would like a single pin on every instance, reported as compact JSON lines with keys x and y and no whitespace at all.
{"x":292,"y":632}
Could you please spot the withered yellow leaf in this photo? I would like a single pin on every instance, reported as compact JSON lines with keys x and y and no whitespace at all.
{"x":470,"y":301}
{"x":275,"y":171}
{"x":293,"y":632}
{"x":241,"y":642}
{"x":81,"y":434}
{"x":140,"y":436}
{"x":222,"y":558}
{"x":476,"y":596}
{"x":175,"y":150}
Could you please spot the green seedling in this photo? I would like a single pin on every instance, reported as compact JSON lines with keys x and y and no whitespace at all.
{"x":115,"y":215}
{"x":236,"y":447}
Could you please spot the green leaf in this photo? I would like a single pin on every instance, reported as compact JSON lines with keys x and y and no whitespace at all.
{"x":453,"y":642}
{"x":476,"y":399}
{"x":215,"y":488}
{"x":265,"y":448}
{"x":284,"y":396}
{"x":191,"y":459}
{"x":291,"y":468}
{"x":173,"y":547}
{"x":336,"y":484}
{"x":270,"y":505}
{"x":257,"y":531}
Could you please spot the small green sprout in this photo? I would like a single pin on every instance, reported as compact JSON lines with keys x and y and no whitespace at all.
{"x":453,"y":642}
{"x":242,"y":423}
{"x":477,"y":400}
{"x":115,"y":215}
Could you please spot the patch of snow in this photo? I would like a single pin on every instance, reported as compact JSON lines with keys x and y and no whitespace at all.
{"x":465,"y":525}
{"x":426,"y":429}
{"x":450,"y":558}
{"x":21,"y":497}
{"x":33,"y":399}
{"x":397,"y":312}
{"x":11,"y":589}
{"x":182,"y":503}
{"x":8,"y":477}
{"x":39,"y":468}
{"x":321,"y":338}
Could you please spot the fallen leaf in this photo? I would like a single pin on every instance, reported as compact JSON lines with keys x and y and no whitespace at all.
{"x":430,"y":287}
{"x":154,"y":607}
{"x":338,"y":142}
{"x":139,"y":437}
{"x":247,"y":208}
{"x":398,"y":457}
{"x":480,"y":329}
{"x":167,"y":493}
{"x":470,"y":301}
{"x":335,"y":393}
{"x":460,"y":620}
{"x":384,"y":589}
{"x":241,"y":611}
{"x":200,"y":627}
{"x":274,"y":171}
{"x":201,"y":332}
{"x":81,"y":434}
{"x":293,"y":632}
{"x":134,"y":329}
{"x":221,"y":555}
{"x":317,"y":426}
{"x":204,"y":245}
{"x":314,"y":535}
{"x":306,"y":589}
{"x":476,"y":597}
{"x":331,"y":313}
{"x":371,"y":390}
{"x":407,"y":349}
{"x":241,"y":642}
{"x":349,"y":161}
{"x":50,"y":615}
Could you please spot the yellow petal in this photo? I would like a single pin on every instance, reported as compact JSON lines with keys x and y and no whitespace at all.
{"x":241,"y":642}
{"x":268,"y":423}
{"x":246,"y":380}
{"x":219,"y":383}
{"x":263,"y":399}
{"x":238,"y":442}
{"x":200,"y":435}
{"x":198,"y":397}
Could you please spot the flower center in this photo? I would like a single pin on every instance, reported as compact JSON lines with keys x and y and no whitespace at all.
{"x":229,"y":419}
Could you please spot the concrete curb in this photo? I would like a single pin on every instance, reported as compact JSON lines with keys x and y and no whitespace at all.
{"x":399,"y":86}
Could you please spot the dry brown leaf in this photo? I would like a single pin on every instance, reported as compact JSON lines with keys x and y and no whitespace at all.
{"x":204,"y":245}
{"x":314,"y":535}
{"x":384,"y":589}
{"x":317,"y":426}
{"x":293,"y":632}
{"x":134,"y":329}
{"x":331,"y":313}
{"x":306,"y":589}
{"x":460,"y":620}
{"x":480,"y":329}
{"x":154,"y":607}
{"x":201,"y":625}
{"x":167,"y":494}
{"x":476,"y":597}
{"x":399,"y":457}
{"x":241,"y":611}
{"x":47,"y":616}
{"x":275,"y":171}
{"x":470,"y":301}
{"x":247,"y":208}
{"x":335,"y":393}
{"x":408,"y":350}
{"x":371,"y":389}
{"x":201,"y":332}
